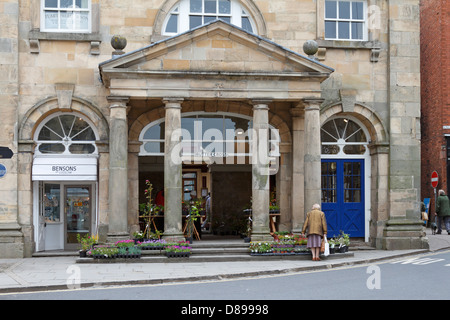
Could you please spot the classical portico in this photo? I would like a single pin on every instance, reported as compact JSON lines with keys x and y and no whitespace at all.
{"x":219,"y":62}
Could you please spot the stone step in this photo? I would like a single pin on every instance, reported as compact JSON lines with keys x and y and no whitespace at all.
{"x":219,"y":250}
{"x":212,"y":258}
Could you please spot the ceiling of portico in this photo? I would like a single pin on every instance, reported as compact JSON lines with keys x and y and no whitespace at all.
{"x":217,"y":60}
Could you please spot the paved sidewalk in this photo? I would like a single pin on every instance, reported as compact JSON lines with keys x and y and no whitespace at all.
{"x":49,"y":273}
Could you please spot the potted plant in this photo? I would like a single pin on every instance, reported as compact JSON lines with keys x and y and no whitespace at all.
{"x":178,"y":251}
{"x":138,"y":236}
{"x":103,"y":252}
{"x":152,"y":245}
{"x":273,"y":206}
{"x":342,"y":242}
{"x":261,"y":248}
{"x":248,"y":230}
{"x":134,"y":253}
{"x":148,"y":211}
{"x":332,"y":246}
{"x":87,"y":242}
{"x":124,"y":244}
{"x":122,"y":252}
{"x":194,"y":208}
{"x":346,"y":241}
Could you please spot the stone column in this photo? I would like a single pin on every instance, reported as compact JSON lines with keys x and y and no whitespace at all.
{"x":103,"y":190}
{"x":260,"y":172}
{"x":284,"y":187}
{"x":172,"y":171}
{"x":312,"y":153}
{"x":404,"y":229}
{"x":118,"y":170}
{"x":133,"y":185}
{"x":298,"y":168}
{"x":379,"y":159}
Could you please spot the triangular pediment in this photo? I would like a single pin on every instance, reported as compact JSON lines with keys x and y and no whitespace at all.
{"x":217,"y":47}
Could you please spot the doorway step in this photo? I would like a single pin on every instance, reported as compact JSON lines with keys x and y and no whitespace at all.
{"x":222,"y":250}
{"x":211,"y":251}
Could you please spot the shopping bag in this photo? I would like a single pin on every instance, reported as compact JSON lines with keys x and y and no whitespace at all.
{"x":424,"y":215}
{"x":322,"y":247}
{"x":327,"y":249}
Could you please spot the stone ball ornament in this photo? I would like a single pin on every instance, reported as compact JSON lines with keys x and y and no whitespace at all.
{"x":310,"y":47}
{"x":118,"y":42}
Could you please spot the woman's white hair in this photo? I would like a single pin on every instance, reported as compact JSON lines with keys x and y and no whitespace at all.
{"x":316,"y":206}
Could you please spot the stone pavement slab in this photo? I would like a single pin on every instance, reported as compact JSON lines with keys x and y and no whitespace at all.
{"x":46,"y":273}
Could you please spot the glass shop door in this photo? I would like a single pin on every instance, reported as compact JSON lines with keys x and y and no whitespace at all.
{"x":78,"y":213}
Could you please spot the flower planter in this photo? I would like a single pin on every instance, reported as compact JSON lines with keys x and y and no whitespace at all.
{"x":132,"y":256}
{"x":82,"y":253}
{"x":177,"y":254}
{"x":343,"y":249}
{"x":152,"y":247}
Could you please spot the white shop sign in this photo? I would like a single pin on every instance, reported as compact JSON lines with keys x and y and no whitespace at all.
{"x":64,"y":169}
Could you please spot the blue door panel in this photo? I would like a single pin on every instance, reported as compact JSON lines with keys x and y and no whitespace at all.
{"x":343,"y":196}
{"x":332,"y":217}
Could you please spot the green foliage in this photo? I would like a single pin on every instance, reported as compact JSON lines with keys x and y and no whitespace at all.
{"x":87,"y":241}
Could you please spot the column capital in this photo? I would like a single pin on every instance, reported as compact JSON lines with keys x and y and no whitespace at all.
{"x":173,"y":102}
{"x":297,"y":112}
{"x":118,"y":101}
{"x":260,"y":104}
{"x":312,"y":103}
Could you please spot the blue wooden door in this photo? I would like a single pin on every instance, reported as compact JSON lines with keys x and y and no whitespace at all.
{"x":343,"y":196}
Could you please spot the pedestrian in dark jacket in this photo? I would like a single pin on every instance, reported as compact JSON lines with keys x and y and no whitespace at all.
{"x":443,"y":212}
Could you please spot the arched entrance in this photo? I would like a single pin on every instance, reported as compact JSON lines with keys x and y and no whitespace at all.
{"x":62,"y":146}
{"x":217,"y":163}
{"x":266,"y":90}
{"x":64,"y":175}
{"x":345,"y":176}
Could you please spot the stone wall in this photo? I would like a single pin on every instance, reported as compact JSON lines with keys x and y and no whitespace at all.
{"x":435,"y":79}
{"x":375,"y":79}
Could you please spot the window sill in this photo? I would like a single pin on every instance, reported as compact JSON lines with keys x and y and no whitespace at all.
{"x":374,"y":46}
{"x":35,"y":36}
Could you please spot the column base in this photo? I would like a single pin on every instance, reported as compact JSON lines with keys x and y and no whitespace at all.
{"x":11,"y":241}
{"x":173,"y":237}
{"x":261,"y":237}
{"x":297,"y":230}
{"x":404,"y":234}
{"x":117,"y":236}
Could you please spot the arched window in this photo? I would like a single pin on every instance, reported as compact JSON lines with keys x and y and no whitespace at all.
{"x":208,"y":135}
{"x":343,"y":136}
{"x":189,"y":14}
{"x":66,"y":134}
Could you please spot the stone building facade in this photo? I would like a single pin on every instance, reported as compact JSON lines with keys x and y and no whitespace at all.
{"x":210,"y":96}
{"x":435,"y":81}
